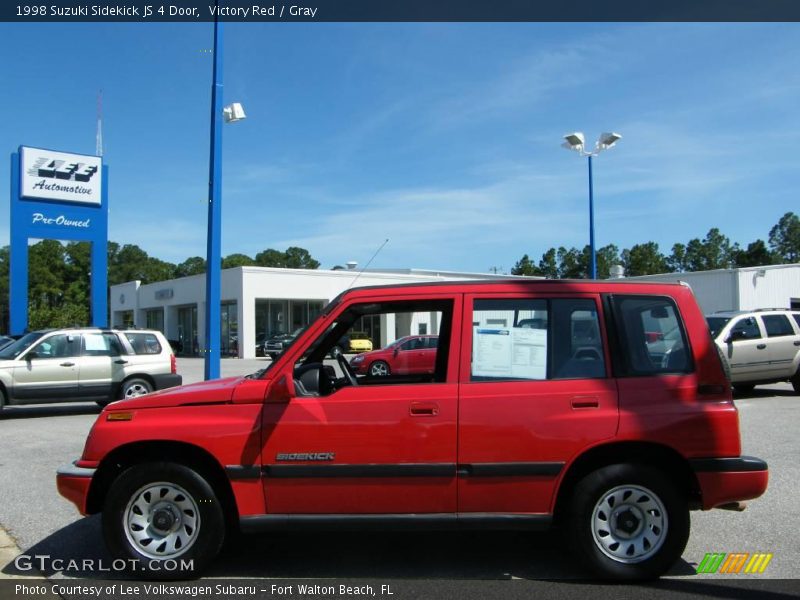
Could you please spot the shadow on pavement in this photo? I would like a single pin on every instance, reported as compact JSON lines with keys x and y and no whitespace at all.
{"x":49,"y":410}
{"x":78,"y":549}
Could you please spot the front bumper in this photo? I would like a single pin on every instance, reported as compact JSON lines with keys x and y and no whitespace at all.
{"x":73,"y":483}
{"x":729,"y":480}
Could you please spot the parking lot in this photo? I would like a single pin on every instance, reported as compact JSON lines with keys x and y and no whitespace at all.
{"x":37,"y":439}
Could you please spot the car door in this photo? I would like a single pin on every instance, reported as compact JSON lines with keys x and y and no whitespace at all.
{"x":381,"y":447}
{"x":530,"y":399}
{"x":782,"y":345}
{"x":48,"y":371}
{"x":102,"y":364}
{"x":746,"y":349}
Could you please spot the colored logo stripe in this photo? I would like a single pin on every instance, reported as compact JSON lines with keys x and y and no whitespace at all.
{"x":733,"y":563}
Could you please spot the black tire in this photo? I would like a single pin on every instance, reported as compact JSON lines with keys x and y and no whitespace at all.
{"x":2,"y":399}
{"x":796,"y":382}
{"x":191,"y":493}
{"x":604,"y":491}
{"x":273,"y":356}
{"x":134,"y":387}
{"x":379,"y":368}
{"x":744,"y":388}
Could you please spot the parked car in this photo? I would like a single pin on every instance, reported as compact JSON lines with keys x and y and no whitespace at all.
{"x":408,"y":355}
{"x":359,"y":342}
{"x":516,"y":427}
{"x":70,"y":365}
{"x":279,"y":342}
{"x":760,"y":346}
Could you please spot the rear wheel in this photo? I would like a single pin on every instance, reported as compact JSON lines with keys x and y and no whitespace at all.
{"x":796,"y":382}
{"x":164,"y":520}
{"x":133,"y":388}
{"x":628,"y":522}
{"x":2,"y":399}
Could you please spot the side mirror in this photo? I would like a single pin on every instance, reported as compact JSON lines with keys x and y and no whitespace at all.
{"x":396,"y":350}
{"x":31,"y":355}
{"x":280,"y":392}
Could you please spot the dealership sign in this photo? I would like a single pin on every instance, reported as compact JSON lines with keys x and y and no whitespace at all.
{"x":57,"y":196}
{"x":51,"y":175}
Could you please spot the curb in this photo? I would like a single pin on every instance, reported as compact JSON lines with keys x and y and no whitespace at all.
{"x":8,"y":552}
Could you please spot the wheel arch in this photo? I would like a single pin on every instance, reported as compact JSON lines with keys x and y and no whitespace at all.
{"x":148,"y":378}
{"x":650,"y":454}
{"x":194,"y":457}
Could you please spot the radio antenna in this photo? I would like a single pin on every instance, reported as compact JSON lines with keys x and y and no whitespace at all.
{"x":386,"y":241}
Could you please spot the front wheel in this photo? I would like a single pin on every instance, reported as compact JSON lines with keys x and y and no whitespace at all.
{"x":796,"y":382}
{"x":379,"y":369}
{"x":628,"y":522}
{"x":164,"y":520}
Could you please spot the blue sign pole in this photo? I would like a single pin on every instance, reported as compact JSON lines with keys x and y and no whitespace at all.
{"x":18,"y":276}
{"x":214,"y":243}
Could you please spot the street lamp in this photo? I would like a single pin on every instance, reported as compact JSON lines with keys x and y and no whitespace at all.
{"x":231,"y":114}
{"x":575,"y":141}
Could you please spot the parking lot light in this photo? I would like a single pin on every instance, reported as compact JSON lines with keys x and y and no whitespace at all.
{"x":576,"y":142}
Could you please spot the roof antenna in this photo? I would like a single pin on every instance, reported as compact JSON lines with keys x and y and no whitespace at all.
{"x":386,"y":241}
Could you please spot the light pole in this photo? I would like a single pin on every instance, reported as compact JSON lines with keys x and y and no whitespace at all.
{"x":231,"y":114}
{"x":575,"y":141}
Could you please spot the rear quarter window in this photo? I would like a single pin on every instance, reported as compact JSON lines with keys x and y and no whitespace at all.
{"x":144,"y":343}
{"x":653,"y":337}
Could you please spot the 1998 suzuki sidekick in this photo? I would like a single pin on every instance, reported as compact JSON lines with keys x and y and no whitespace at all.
{"x":545,"y":406}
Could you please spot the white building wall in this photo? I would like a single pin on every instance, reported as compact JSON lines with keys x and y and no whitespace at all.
{"x":773,"y":286}
{"x":769,"y":287}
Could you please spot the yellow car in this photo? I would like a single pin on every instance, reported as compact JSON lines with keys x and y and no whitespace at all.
{"x":360,"y":342}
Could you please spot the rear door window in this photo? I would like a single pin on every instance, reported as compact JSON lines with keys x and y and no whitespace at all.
{"x":777,"y":325}
{"x":144,"y":343}
{"x":536,"y":339}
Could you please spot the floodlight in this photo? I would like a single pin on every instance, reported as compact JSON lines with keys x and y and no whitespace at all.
{"x":233,"y":112}
{"x":574,"y":141}
{"x":607,"y":140}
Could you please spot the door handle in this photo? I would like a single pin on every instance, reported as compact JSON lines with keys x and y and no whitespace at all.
{"x":423,"y":409}
{"x":585,"y":402}
{"x":797,"y":343}
{"x":120,"y":362}
{"x":761,"y":346}
{"x":67,"y":364}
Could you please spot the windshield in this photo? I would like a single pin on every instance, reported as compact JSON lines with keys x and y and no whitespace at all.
{"x":12,"y":351}
{"x":716,"y":324}
{"x":291,"y":339}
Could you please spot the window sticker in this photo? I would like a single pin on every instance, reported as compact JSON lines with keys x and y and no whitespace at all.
{"x":517,"y":353}
{"x":94,"y":342}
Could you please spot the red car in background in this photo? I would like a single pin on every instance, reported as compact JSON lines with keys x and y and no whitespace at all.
{"x":409,"y":355}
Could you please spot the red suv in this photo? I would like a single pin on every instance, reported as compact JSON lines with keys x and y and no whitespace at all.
{"x":545,"y":405}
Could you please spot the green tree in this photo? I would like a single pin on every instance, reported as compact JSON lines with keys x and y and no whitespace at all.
{"x":644,"y":259}
{"x":784,"y":238}
{"x":293,"y":258}
{"x":677,"y":260}
{"x":572,"y":263}
{"x":524,"y":266}
{"x":237,"y":260}
{"x":607,"y":257}
{"x":713,"y":252}
{"x":756,"y":255}
{"x":548,"y":265}
{"x":195,"y":265}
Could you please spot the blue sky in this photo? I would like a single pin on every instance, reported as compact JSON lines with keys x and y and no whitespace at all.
{"x":443,"y":138}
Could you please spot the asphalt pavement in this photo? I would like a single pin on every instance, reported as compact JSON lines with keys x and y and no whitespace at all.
{"x":37,"y":439}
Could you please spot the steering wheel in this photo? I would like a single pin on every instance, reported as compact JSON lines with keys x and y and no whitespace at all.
{"x":349,"y":374}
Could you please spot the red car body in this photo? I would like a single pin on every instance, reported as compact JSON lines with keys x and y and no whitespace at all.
{"x":410,"y":355}
{"x":451,"y":451}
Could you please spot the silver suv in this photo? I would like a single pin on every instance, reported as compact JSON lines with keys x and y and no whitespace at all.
{"x":760,"y":346}
{"x":72,"y":365}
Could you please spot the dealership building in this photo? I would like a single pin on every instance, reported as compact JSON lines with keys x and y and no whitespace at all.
{"x":259,"y":302}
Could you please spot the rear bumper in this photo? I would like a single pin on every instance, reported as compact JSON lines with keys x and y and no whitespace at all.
{"x":727,"y":480}
{"x":166,"y":380}
{"x":73,"y":483}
